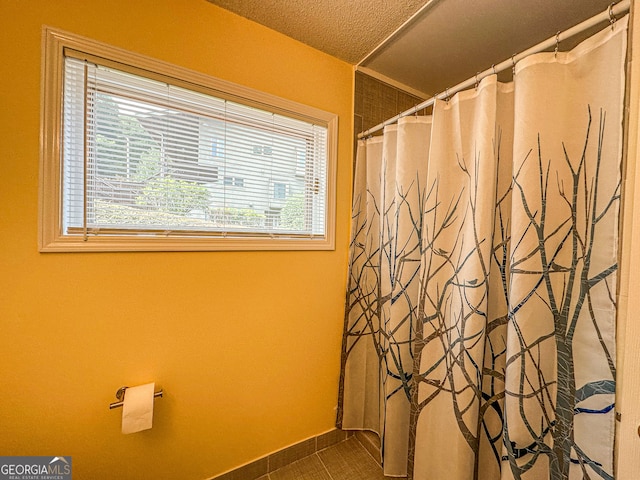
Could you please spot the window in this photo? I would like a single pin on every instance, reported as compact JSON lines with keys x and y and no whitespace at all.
{"x":141,"y":155}
{"x":235,"y":181}
{"x":216,"y":148}
{"x":280,"y":191}
{"x":262,"y":150}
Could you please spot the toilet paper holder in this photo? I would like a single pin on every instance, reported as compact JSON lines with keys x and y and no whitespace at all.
{"x":120,"y":396}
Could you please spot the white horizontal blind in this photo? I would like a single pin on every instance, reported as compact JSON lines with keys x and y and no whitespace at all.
{"x":145,"y":157}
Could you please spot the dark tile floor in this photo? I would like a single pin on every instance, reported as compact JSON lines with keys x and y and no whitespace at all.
{"x":347,"y":460}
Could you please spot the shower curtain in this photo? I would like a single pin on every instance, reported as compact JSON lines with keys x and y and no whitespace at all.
{"x":479,"y":337}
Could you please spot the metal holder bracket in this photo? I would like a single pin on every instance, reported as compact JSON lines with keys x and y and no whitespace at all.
{"x":120,"y":396}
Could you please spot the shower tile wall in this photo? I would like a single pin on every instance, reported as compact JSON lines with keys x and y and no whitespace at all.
{"x":376,"y":101}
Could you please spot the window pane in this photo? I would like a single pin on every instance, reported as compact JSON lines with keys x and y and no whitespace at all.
{"x":143,"y":155}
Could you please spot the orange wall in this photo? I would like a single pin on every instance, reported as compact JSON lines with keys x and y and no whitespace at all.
{"x":245,"y":344}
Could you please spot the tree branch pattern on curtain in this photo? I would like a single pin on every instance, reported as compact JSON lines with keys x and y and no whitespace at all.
{"x":480,"y":320}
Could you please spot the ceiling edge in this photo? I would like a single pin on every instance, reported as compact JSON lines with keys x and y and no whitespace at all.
{"x":425,"y":8}
{"x":392,"y":82}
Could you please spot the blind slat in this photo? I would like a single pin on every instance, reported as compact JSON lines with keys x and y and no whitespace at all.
{"x":163,"y":158}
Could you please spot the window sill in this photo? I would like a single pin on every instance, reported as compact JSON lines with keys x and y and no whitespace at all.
{"x":73,"y":243}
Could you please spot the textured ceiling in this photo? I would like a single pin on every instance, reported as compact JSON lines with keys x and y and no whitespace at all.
{"x":440,"y":43}
{"x":346,"y":29}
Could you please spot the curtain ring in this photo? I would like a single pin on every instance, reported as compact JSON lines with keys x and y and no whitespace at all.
{"x":555,"y":52}
{"x":513,"y":61}
{"x":477,"y":83}
{"x":493,"y":67}
{"x":612,"y":17}
{"x":447,"y":95}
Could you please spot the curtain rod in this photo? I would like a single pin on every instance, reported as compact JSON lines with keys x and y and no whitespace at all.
{"x":608,"y":15}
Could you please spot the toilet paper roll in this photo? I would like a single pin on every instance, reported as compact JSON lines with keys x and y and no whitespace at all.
{"x":137,"y":409}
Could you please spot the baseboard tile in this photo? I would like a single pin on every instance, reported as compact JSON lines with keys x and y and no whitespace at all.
{"x":284,"y":457}
{"x":371,"y":442}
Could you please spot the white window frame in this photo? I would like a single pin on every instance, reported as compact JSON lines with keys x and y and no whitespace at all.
{"x":51,"y":235}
